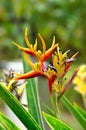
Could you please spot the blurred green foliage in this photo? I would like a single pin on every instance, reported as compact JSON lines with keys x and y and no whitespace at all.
{"x":66,"y":19}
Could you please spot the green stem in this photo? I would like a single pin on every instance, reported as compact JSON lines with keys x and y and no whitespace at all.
{"x":84,"y":101}
{"x":57,"y":107}
{"x":53,"y":105}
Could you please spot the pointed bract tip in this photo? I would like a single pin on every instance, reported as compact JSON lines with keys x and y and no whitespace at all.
{"x":74,"y":56}
{"x":53,"y":40}
{"x":16,"y":44}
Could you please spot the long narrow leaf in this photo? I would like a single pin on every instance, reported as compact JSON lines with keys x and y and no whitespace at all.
{"x":49,"y":110}
{"x":9,"y":125}
{"x":80,"y":110}
{"x":18,"y":109}
{"x":74,"y":111}
{"x":55,"y":123}
{"x":33,"y":97}
{"x":2,"y":128}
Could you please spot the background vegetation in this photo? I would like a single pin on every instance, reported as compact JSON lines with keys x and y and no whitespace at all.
{"x":64,"y":19}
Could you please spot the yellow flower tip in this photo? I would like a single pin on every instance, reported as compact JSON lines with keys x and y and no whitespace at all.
{"x":28,"y":61}
{"x":43,"y":42}
{"x":26,"y":38}
{"x":53,"y":41}
{"x":28,"y":51}
{"x":10,"y":84}
{"x":26,"y":31}
{"x":21,"y":89}
{"x":16,"y":45}
{"x":35,"y":45}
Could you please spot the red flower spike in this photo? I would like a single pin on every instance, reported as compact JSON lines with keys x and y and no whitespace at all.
{"x":68,"y":84}
{"x":32,"y":49}
{"x":26,"y":50}
{"x":31,"y":74}
{"x":48,"y":53}
{"x":50,"y":82}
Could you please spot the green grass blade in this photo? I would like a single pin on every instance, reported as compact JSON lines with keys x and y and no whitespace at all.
{"x":33,"y":98}
{"x":55,"y":123}
{"x":18,"y":109}
{"x":8,"y":124}
{"x":74,"y":111}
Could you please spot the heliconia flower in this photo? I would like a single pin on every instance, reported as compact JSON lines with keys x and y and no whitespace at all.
{"x":80,"y":80}
{"x":38,"y":70}
{"x":32,"y":49}
{"x":53,"y":73}
{"x":61,"y":62}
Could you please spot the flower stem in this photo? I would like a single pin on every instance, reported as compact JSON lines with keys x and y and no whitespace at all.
{"x":53,"y":104}
{"x":57,"y":107}
{"x":84,"y":101}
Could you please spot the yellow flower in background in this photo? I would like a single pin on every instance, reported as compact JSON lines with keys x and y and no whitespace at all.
{"x":80,"y":80}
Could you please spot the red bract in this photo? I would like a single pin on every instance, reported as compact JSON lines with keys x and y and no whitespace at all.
{"x":53,"y":73}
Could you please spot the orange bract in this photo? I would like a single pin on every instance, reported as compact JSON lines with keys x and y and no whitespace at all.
{"x":54,"y":73}
{"x":32,"y":49}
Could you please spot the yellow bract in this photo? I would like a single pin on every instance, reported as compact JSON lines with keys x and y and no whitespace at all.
{"x":59,"y":62}
{"x":55,"y":72}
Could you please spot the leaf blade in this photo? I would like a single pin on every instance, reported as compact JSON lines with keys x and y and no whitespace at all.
{"x":55,"y":123}
{"x":33,"y":97}
{"x":7,"y":123}
{"x":74,"y":111}
{"x":17,"y":108}
{"x":80,"y":110}
{"x":1,"y":127}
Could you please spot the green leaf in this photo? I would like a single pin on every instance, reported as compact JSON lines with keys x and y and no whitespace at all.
{"x":55,"y":123}
{"x":33,"y":97}
{"x":49,"y":110}
{"x":18,"y":109}
{"x":9,"y":125}
{"x":2,"y":128}
{"x":80,"y":110}
{"x":74,"y":111}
